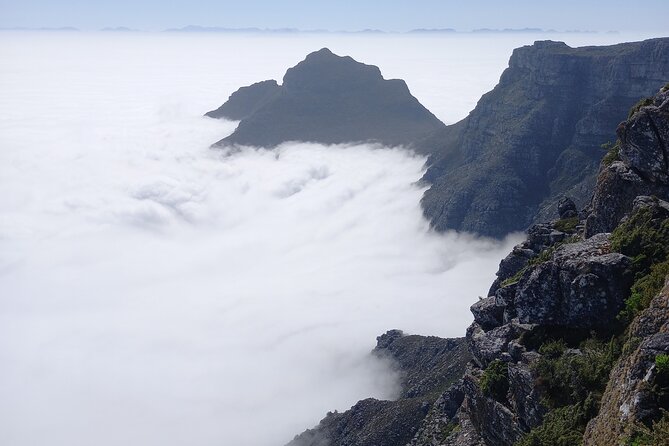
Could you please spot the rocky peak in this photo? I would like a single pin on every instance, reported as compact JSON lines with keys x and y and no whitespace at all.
{"x":325,"y":70}
{"x":638,"y":164}
{"x":331,"y":100}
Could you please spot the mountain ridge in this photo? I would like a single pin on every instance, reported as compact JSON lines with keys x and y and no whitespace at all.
{"x":328,"y":99}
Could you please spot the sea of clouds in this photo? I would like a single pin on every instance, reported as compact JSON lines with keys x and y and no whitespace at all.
{"x":154,"y":291}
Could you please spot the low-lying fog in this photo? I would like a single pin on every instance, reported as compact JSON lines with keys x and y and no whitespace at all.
{"x":156,"y":292}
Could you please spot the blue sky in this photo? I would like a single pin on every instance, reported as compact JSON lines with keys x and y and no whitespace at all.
{"x":392,"y":15}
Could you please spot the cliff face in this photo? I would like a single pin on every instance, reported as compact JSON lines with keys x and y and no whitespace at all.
{"x":327,"y":99}
{"x":572,"y":344}
{"x":537,"y":135}
{"x":428,"y":366}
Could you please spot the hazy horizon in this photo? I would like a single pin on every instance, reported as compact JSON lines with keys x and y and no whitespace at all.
{"x":404,"y":15}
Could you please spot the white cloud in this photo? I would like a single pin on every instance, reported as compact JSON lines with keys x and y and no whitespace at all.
{"x":158,"y":292}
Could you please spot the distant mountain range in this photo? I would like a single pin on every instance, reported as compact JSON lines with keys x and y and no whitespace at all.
{"x":216,"y":29}
{"x":256,"y":30}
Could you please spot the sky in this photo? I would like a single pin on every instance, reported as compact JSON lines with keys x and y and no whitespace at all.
{"x":395,"y":15}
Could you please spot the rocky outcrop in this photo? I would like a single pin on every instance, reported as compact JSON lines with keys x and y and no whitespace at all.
{"x":429,"y":369}
{"x":327,"y":99}
{"x":537,"y":135}
{"x":638,"y":165}
{"x":583,"y":285}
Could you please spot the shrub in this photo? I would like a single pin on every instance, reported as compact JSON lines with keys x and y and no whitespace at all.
{"x":567,"y":224}
{"x":572,"y":377}
{"x":495,"y":380}
{"x":636,"y":107}
{"x":574,"y":384}
{"x":553,"y":349}
{"x":560,"y":427}
{"x":644,"y":290}
{"x":644,"y":237}
{"x":612,"y":153}
{"x":656,"y":435}
{"x":662,"y":364}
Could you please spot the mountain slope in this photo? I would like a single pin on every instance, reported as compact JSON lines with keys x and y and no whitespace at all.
{"x":536,"y":136}
{"x":327,"y":99}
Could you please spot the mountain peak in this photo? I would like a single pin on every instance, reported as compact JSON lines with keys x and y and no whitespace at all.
{"x":329,"y":99}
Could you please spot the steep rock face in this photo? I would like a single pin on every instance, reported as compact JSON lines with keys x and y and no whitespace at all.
{"x":537,"y":135}
{"x":640,"y":167}
{"x":429,"y":368}
{"x":328,"y":99}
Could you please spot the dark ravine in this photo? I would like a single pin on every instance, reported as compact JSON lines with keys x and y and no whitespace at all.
{"x":571,"y":346}
{"x":327,"y":99}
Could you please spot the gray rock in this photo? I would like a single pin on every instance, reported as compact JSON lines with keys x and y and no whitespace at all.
{"x":496,"y":423}
{"x":567,"y":208}
{"x":487,"y":346}
{"x":643,"y":168}
{"x":487,"y":313}
{"x":525,"y":396}
{"x":583,"y":285}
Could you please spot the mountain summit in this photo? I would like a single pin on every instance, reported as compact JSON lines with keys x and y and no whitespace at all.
{"x":327,"y":99}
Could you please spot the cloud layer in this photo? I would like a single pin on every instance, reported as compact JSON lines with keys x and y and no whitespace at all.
{"x":158,"y":292}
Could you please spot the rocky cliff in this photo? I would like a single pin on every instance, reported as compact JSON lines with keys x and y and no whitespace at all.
{"x":572,"y":344}
{"x":537,"y":135}
{"x":428,"y":366}
{"x":327,"y":99}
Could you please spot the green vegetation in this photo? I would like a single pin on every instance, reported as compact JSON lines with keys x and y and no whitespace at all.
{"x":644,"y":290}
{"x":656,"y":435}
{"x":665,"y":88}
{"x":574,"y":383}
{"x":570,"y":377}
{"x":495,"y":380}
{"x":612,"y":153}
{"x":567,"y":224}
{"x":450,"y":428}
{"x":561,"y":427}
{"x":645,"y":238}
{"x":662,"y":364}
{"x":636,"y":107}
